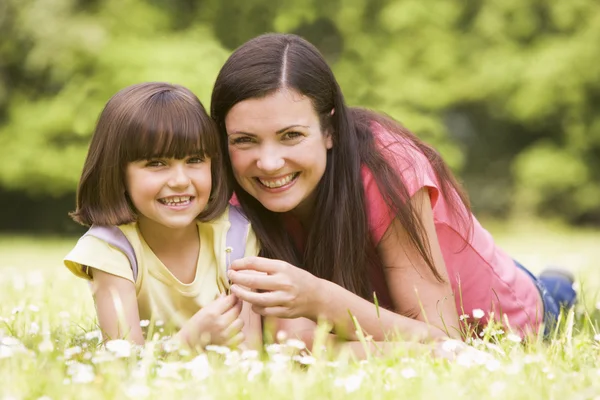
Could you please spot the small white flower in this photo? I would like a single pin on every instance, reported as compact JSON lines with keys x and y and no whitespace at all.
{"x":159,"y":322}
{"x":351,"y":383}
{"x":169,"y":370}
{"x":492,"y":365}
{"x":281,"y":336}
{"x":71,"y":351}
{"x":81,"y":373}
{"x":249,"y":355}
{"x":408,"y":373}
{"x":144,"y":323}
{"x":256,"y":367}
{"x":463,"y":317}
{"x":597,"y":337}
{"x":46,"y":346}
{"x":306,"y":360}
{"x":514,"y":338}
{"x":478,"y":313}
{"x":34,"y":328}
{"x":171,"y":346}
{"x":17,"y":310}
{"x":278,"y":358}
{"x":295,"y":343}
{"x":33,"y":308}
{"x":274,"y":348}
{"x":199,"y":367}
{"x":218,"y":349}
{"x":91,"y":335}
{"x":119,"y":347}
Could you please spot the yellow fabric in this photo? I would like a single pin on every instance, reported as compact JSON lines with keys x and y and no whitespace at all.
{"x":160,"y":294}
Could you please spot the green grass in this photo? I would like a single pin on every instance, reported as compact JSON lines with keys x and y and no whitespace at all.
{"x":48,"y":344}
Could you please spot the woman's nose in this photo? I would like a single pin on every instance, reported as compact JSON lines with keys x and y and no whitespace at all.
{"x":270,"y":161}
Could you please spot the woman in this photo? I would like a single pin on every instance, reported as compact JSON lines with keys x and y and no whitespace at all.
{"x":347,"y":203}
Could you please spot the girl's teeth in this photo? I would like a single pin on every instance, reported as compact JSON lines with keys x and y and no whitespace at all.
{"x":176,"y":200}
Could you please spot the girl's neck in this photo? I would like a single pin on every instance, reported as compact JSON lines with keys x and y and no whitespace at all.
{"x":160,"y":237}
{"x":178,"y":249}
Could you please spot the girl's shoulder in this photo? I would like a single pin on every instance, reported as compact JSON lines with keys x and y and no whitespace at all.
{"x":92,"y":251}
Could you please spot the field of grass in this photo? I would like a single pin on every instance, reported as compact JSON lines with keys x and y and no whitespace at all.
{"x":49,"y":344}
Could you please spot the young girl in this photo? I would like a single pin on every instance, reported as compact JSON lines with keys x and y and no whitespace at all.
{"x":347,"y":203}
{"x":154,"y":170}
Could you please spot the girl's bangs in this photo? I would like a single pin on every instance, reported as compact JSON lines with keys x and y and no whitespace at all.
{"x":174,"y":129}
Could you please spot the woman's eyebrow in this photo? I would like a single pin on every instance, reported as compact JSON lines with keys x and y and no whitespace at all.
{"x":290,"y":127}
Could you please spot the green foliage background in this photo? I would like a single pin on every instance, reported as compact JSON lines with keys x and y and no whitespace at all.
{"x":507,"y":90}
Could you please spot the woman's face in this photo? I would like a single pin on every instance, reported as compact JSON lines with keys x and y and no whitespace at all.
{"x":277,"y":149}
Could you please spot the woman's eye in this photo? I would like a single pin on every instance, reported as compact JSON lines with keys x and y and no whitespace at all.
{"x":292,"y":135}
{"x":241,"y":140}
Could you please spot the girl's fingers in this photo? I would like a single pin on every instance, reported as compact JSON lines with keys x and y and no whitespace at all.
{"x":234,"y":328}
{"x":236,"y":340}
{"x":232,"y":314}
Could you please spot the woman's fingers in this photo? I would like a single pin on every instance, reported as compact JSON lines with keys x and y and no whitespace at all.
{"x":266,"y":299}
{"x":253,"y":280}
{"x":259,"y":264}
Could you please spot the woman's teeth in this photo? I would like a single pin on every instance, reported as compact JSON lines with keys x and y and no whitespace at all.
{"x":176,"y":200}
{"x":277,"y":183}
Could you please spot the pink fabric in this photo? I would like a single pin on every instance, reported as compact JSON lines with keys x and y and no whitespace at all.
{"x":482,"y":275}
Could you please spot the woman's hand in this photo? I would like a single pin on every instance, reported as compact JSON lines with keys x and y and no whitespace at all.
{"x":218,"y":323}
{"x":276,"y":288}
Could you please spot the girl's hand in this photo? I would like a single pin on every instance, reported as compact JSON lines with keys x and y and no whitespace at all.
{"x":276,"y":288}
{"x":218,"y":323}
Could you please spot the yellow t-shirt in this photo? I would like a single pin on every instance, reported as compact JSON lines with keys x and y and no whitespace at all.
{"x":160,"y":294}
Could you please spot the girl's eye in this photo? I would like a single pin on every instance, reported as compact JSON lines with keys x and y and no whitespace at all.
{"x":196,"y":160}
{"x":291,"y":135}
{"x":241,"y":140}
{"x":155,"y":163}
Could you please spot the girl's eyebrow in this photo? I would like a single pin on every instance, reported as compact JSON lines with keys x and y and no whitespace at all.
{"x":280,"y":131}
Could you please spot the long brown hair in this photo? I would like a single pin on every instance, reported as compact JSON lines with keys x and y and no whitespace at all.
{"x":143,"y":121}
{"x":339,"y":246}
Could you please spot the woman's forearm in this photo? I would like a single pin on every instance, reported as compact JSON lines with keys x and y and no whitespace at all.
{"x":340,"y":307}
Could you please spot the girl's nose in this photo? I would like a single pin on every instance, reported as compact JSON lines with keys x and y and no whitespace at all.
{"x":179,"y":178}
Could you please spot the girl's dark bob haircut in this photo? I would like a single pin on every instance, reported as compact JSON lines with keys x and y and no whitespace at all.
{"x":145,"y":121}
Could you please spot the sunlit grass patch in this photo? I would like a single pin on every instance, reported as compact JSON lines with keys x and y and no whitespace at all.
{"x":50,"y":347}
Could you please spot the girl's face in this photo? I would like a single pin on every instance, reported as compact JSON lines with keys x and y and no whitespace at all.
{"x":277,"y":150}
{"x":167,"y":192}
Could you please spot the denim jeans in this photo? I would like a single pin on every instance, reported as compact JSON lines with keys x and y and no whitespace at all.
{"x":556,"y":291}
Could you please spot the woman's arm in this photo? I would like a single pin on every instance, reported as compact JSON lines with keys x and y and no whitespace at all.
{"x":293,"y":292}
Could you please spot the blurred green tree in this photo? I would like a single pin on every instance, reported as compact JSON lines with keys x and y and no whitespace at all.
{"x":505,"y":89}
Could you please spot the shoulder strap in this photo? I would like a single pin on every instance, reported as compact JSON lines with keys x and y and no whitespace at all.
{"x":236,"y":235}
{"x":113,"y":236}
